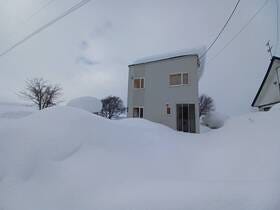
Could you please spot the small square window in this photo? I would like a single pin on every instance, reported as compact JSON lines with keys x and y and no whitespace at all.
{"x":137,"y":83}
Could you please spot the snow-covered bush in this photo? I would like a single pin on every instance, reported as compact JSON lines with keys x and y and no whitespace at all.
{"x":213,"y":120}
{"x":87,"y":103}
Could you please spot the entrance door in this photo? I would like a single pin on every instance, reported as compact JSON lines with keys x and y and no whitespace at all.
{"x":186,"y":118}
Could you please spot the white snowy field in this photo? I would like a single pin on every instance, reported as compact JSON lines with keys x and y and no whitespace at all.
{"x":68,"y":159}
{"x":14,"y":110}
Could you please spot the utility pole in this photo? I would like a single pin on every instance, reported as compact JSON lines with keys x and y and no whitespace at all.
{"x":269,"y":48}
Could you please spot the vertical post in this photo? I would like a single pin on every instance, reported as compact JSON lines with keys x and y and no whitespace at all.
{"x":269,"y":49}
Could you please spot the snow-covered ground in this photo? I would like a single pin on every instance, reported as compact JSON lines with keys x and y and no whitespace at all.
{"x":15,"y":110}
{"x":67,"y":159}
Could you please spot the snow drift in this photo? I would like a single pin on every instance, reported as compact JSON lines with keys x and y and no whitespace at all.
{"x":87,"y":103}
{"x":15,"y":110}
{"x":68,"y":159}
{"x":214,"y":120}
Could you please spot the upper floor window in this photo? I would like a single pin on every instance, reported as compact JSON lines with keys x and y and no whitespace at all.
{"x":138,"y":83}
{"x":178,"y":79}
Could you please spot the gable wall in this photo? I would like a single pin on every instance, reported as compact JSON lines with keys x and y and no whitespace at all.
{"x":270,"y":92}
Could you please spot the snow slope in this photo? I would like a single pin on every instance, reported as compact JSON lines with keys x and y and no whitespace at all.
{"x":14,"y":110}
{"x":67,"y":159}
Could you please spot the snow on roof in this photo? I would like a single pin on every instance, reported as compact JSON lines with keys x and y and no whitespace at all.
{"x":180,"y":53}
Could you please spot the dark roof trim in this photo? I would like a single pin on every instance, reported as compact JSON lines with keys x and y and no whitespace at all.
{"x":277,"y":102}
{"x":263,"y":82}
{"x":163,"y":59}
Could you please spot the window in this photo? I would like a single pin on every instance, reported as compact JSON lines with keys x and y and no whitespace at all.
{"x":168,"y":109}
{"x":185,"y":78}
{"x":178,"y":79}
{"x":138,"y":83}
{"x":175,"y":79}
{"x":138,"y":112}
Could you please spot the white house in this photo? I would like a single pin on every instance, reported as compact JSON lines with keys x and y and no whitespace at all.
{"x":165,"y":90}
{"x":269,"y":91}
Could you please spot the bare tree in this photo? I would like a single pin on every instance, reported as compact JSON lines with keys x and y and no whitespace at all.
{"x":112,"y":106}
{"x":41,"y":93}
{"x":206,"y":105}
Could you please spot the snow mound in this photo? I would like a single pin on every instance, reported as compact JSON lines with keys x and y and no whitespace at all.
{"x":15,"y":110}
{"x":65,"y":158}
{"x":214,"y":120}
{"x":87,"y":103}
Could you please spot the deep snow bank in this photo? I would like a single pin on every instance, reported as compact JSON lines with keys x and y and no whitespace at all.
{"x":65,"y":158}
{"x":14,"y":110}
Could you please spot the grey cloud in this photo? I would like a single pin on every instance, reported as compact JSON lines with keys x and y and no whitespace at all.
{"x":86,"y":61}
{"x":101,"y":30}
{"x":108,"y":35}
{"x":84,"y":45}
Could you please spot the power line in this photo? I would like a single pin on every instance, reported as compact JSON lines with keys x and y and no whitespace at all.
{"x":240,"y":31}
{"x":44,"y":6}
{"x":26,"y":20}
{"x":222,"y":30}
{"x":39,"y":30}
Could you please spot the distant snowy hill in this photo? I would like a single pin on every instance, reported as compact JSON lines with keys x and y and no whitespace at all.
{"x":67,"y":159}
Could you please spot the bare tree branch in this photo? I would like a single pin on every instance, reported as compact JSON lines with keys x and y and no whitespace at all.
{"x":41,"y":93}
{"x":112,"y":106}
{"x":206,"y":105}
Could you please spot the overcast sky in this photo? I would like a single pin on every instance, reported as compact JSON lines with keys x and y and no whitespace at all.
{"x":88,"y":52}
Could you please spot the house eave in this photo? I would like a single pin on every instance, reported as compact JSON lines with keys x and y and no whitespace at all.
{"x":265,"y":105}
{"x":163,"y":59}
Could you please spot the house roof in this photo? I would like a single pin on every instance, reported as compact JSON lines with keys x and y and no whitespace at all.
{"x":178,"y":54}
{"x":274,"y":58}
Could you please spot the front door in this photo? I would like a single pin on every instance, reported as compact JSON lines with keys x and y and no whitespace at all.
{"x":186,"y":118}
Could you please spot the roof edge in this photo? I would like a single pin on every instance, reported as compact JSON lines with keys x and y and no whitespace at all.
{"x":163,"y":59}
{"x":270,"y":104}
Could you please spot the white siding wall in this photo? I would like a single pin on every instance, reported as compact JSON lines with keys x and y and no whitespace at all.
{"x":158,"y":93}
{"x":270,"y":92}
